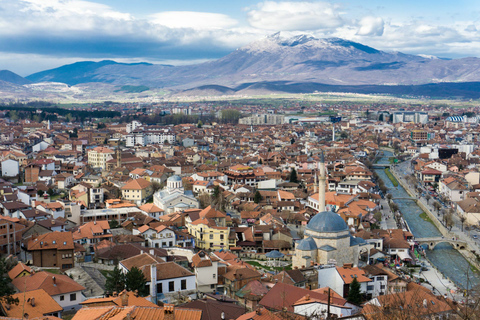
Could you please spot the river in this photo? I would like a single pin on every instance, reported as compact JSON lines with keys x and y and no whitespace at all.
{"x":444,"y":257}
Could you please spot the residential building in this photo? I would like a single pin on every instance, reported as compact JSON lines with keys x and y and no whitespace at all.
{"x":55,"y":249}
{"x":137,"y":191}
{"x":98,"y":157}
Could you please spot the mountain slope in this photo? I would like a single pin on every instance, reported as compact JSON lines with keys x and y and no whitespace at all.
{"x":79,"y":72}
{"x":299,"y":59}
{"x":9,"y":76}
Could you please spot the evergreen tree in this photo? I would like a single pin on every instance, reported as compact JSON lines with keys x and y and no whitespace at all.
{"x":115,"y":281}
{"x":260,"y":161}
{"x":354,"y":294}
{"x":135,"y":280}
{"x":258,"y":197}
{"x":293,"y":176}
{"x":6,"y":289}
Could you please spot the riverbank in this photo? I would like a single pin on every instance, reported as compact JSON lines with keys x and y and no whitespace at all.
{"x":467,"y":254}
{"x":391,"y":177}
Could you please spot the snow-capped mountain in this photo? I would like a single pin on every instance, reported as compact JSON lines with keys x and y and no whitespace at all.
{"x":298,"y":59}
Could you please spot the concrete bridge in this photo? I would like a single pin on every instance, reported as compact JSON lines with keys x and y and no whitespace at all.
{"x":432,"y":242}
{"x":381,"y":165}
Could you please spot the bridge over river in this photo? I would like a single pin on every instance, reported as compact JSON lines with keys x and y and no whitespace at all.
{"x":432,"y":242}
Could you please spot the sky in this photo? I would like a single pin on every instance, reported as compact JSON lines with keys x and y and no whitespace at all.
{"x":36,"y":35}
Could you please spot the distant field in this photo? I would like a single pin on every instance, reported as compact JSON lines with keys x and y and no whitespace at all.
{"x":133,"y":89}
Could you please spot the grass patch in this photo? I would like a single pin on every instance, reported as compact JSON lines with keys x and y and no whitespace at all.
{"x":259,"y":265}
{"x":424,"y":216}
{"x":105,"y":272}
{"x":391,"y":177}
{"x":55,"y":271}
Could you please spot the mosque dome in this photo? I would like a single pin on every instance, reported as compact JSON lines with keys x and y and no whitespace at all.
{"x":327,"y":221}
{"x":307,"y":244}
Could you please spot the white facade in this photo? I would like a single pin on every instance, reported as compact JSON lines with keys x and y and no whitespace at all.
{"x":10,"y":168}
{"x":207,"y":277}
{"x":146,"y":137}
{"x":315,"y":308}
{"x":133,"y":125}
{"x":70,"y":301}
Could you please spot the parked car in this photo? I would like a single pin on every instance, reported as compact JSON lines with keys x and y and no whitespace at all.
{"x":475,"y":236}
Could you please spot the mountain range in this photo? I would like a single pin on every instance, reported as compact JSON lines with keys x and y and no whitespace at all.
{"x":283,"y":64}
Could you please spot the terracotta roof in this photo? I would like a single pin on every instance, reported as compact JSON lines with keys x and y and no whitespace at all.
{"x":347,"y":274}
{"x":212,"y":309}
{"x":53,"y":284}
{"x":150,"y":207}
{"x":53,"y":240}
{"x":18,"y":269}
{"x":89,"y":229}
{"x":35,"y":303}
{"x":132,"y":300}
{"x":137,"y":313}
{"x":136,"y":184}
{"x":284,"y":296}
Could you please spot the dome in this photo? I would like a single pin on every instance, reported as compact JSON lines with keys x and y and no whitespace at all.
{"x":307,"y":244}
{"x":174,"y":178}
{"x":327,"y":221}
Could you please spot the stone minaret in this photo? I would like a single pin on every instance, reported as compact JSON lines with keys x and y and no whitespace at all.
{"x":315,"y":184}
{"x":321,"y":185}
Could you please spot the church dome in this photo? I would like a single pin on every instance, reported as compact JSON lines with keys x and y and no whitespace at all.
{"x":174,"y":178}
{"x":327,"y":221}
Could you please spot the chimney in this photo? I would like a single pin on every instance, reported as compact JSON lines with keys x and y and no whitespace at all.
{"x":307,"y":297}
{"x":169,"y":312}
{"x":124,"y":297}
{"x":141,"y":251}
{"x":259,"y":311}
{"x":153,"y":283}
{"x":53,"y":222}
{"x":54,"y":281}
{"x":152,"y":252}
{"x":32,"y":302}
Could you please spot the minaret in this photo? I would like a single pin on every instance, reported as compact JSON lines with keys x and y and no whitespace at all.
{"x":321,"y":186}
{"x":333,"y":132}
{"x":315,"y":184}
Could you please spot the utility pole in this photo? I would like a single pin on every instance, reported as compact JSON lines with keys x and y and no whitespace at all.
{"x":328,"y":304}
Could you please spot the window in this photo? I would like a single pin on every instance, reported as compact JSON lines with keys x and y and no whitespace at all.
{"x":171,"y":286}
{"x":214,"y":276}
{"x":62,"y":298}
{"x":221,"y":237}
{"x":369,"y":288}
{"x":211,"y":236}
{"x":159,"y":288}
{"x":184,"y":284}
{"x":73,"y":296}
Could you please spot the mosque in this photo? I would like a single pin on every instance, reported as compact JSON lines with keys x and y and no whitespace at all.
{"x":327,"y":238}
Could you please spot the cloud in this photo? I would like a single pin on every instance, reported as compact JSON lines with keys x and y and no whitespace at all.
{"x":371,"y":26}
{"x":290,"y":16}
{"x":193,"y":20}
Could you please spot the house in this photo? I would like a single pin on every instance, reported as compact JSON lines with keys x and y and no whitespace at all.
{"x":167,"y":312}
{"x":20,"y":270}
{"x":166,"y":281}
{"x":98,"y":157}
{"x":92,"y":233}
{"x":216,"y":309}
{"x":419,"y":303}
{"x":340,"y":278}
{"x":159,"y":237}
{"x":64,"y":180}
{"x":206,"y":271}
{"x":137,"y":191}
{"x":123,"y":299}
{"x":10,"y":168}
{"x":55,"y":249}
{"x":303,"y":301}
{"x":66,"y":292}
{"x":32,"y":304}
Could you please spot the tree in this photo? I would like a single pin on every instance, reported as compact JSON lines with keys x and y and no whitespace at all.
{"x":292,"y":141}
{"x":462,"y":220}
{"x":113,"y":224}
{"x":199,"y":124}
{"x":205,"y":200}
{"x":293,"y":176}
{"x":40,"y":192}
{"x":6,"y":289}
{"x":354,"y":294}
{"x":115,"y":281}
{"x":135,"y":280}
{"x":258,"y":197}
{"x":427,"y":197}
{"x":156,"y":186}
{"x":260,"y":161}
{"x":50,"y":192}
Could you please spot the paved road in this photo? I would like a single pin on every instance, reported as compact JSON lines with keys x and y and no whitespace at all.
{"x":388,"y":221}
